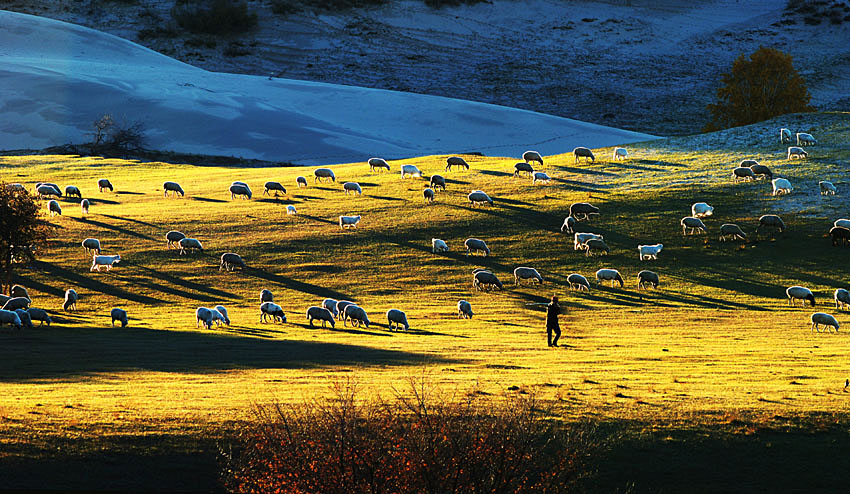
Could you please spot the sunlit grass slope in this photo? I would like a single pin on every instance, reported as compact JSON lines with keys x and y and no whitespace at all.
{"x":717,"y":336}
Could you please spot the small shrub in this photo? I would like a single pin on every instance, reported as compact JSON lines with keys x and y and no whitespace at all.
{"x":116,"y":139}
{"x":213,"y":17}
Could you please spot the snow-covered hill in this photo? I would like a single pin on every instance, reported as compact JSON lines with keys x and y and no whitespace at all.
{"x":56,"y":79}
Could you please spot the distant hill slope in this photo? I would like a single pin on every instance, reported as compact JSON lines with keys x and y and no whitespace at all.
{"x":59,"y":78}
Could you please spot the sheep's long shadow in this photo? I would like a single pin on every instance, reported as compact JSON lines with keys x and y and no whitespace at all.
{"x":118,"y":229}
{"x":292,"y":284}
{"x":323,"y":220}
{"x":582,"y":186}
{"x":207,"y":199}
{"x":214,"y":293}
{"x":495,"y":173}
{"x":131,"y":220}
{"x":386,"y":198}
{"x":585,"y":171}
{"x":76,"y":281}
{"x":127,"y":192}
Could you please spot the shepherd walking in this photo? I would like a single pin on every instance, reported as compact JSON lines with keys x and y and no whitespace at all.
{"x":553,"y":329}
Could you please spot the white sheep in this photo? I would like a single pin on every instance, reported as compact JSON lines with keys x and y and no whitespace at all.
{"x":410,"y":171}
{"x":91,"y":245}
{"x":784,"y":136}
{"x":19,"y":291}
{"x":647,"y":252}
{"x":580,"y":239}
{"x":205,"y":316}
{"x":692,"y":224}
{"x":266,"y":296}
{"x":378,"y":164}
{"x":582,"y":210}
{"x":485,"y":279}
{"x":272,"y":310}
{"x":762,"y":171}
{"x":397,"y":318}
{"x":732,"y":230}
{"x":104,"y":184}
{"x":438,"y":245}
{"x":526,"y":273}
{"x":578,"y":282}
{"x":620,"y":154}
{"x":73,"y":190}
{"x":100,"y":261}
{"x":71,"y":299}
{"x":797,"y":152}
{"x":11,"y":318}
{"x":804,"y":139}
{"x":54,"y":208}
{"x":323,"y":174}
{"x":45,"y":190}
{"x":647,"y":277}
{"x":474,"y":244}
{"x":356,"y":315}
{"x":17,"y":303}
{"x":827,"y":188}
{"x":744,"y":173}
{"x":39,"y":315}
{"x":223,"y":311}
{"x":275,"y":187}
{"x":611,"y":275}
{"x":173,"y":237}
{"x":477,"y":197}
{"x":119,"y":315}
{"x":26,"y":322}
{"x":349,"y":221}
{"x":352,"y":187}
{"x":529,"y":156}
{"x":217,"y":318}
{"x":799,"y":293}
{"x":84,"y":206}
{"x":701,"y":210}
{"x":340,"y":308}
{"x":330,"y":304}
{"x":240,"y":189}
{"x":541,"y":177}
{"x":822,"y":318}
{"x":464,"y":310}
{"x":320,"y":314}
{"x":456,"y":161}
{"x":781,"y":186}
{"x":190,"y":244}
{"x":437,"y":182}
{"x":523,"y":167}
{"x":596,"y":245}
{"x":172,"y":187}
{"x":569,"y":225}
{"x":771,"y":221}
{"x":290,"y":210}
{"x":842,"y":298}
{"x":582,"y":152}
{"x":231,"y":261}
{"x":300,"y":182}
{"x":428,"y":194}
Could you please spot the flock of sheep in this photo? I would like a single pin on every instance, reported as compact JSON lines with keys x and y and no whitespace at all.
{"x":16,"y":308}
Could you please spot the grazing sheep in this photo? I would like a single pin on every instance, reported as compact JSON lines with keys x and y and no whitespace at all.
{"x":71,"y":298}
{"x":323,"y":174}
{"x":529,"y":156}
{"x":273,"y":186}
{"x":692,"y":224}
{"x":45,"y":191}
{"x":190,"y":244}
{"x":98,"y":262}
{"x":240,"y":189}
{"x":352,"y":187}
{"x":330,"y":304}
{"x":119,"y":315}
{"x":266,"y":296}
{"x":223,"y":311}
{"x":438,"y":245}
{"x":477,"y":197}
{"x":172,"y":187}
{"x":784,"y":136}
{"x":321,"y":313}
{"x":620,"y":154}
{"x":799,"y":293}
{"x":578,"y":282}
{"x":356,"y":315}
{"x":340,"y":308}
{"x":203,"y":315}
{"x":842,"y":298}
{"x":39,"y":315}
{"x":174,"y":237}
{"x":456,"y":161}
{"x":701,"y":210}
{"x":484,"y":279}
{"x":26,"y":322}
{"x":647,"y":277}
{"x":104,"y":184}
{"x":437,"y":182}
{"x":748,"y":163}
{"x":19,"y":291}
{"x":397,"y":318}
{"x":91,"y":245}
{"x":73,"y":190}
{"x":11,"y":318}
{"x":771,"y":221}
{"x":804,"y":139}
{"x":290,"y":210}
{"x":649,"y":251}
{"x":84,"y":206}
{"x":217,"y":318}
{"x":763,"y":171}
{"x":378,"y":164}
{"x":474,"y":244}
{"x":541,"y":177}
{"x":822,"y":318}
{"x":464,"y":310}
{"x":50,"y":184}
{"x":525,"y":273}
{"x":845,"y":223}
{"x":349,"y":221}
{"x":272,"y":310}
{"x":428,"y":194}
{"x":17,"y":303}
{"x":611,"y":275}
{"x":596,"y":245}
{"x":732,"y":230}
{"x":743,"y":173}
{"x":300,"y":182}
{"x":231,"y":261}
{"x":781,"y":186}
{"x":582,"y":210}
{"x":840,"y":236}
{"x":523,"y":167}
{"x":581,"y":152}
{"x":580,"y":239}
{"x":54,"y":208}
{"x":827,"y":188}
{"x":569,"y":225}
{"x":797,"y":152}
{"x":410,"y":170}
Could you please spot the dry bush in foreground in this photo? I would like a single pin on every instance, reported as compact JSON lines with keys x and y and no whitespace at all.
{"x":412,"y":444}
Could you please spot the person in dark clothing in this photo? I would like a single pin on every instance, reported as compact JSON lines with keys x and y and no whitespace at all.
{"x":553,"y":329}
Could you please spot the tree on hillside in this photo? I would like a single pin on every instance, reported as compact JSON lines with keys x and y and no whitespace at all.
{"x":21,"y":230}
{"x":760,"y":87}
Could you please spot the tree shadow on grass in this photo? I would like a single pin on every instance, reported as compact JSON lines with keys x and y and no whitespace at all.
{"x":131,"y":220}
{"x":66,"y":277}
{"x":300,"y":286}
{"x":107,"y":226}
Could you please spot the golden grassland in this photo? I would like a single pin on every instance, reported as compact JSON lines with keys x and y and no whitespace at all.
{"x":717,"y":340}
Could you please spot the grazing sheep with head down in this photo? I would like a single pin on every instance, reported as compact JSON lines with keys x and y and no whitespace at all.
{"x":274,"y":187}
{"x":464,"y":310}
{"x":523,"y":167}
{"x":223,"y":311}
{"x":428,"y":194}
{"x":330,"y":304}
{"x":173,"y":237}
{"x":647,"y":277}
{"x":732,"y":230}
{"x":190,"y":244}
{"x":822,"y":318}
{"x":272,"y":310}
{"x":474,"y":244}
{"x":842,"y":298}
{"x":71,"y":298}
{"x":456,"y":161}
{"x":763,"y":171}
{"x":799,"y":293}
{"x":578,"y":282}
{"x":569,"y":225}
{"x":477,"y":197}
{"x":172,"y":187}
{"x":438,"y":182}
{"x":596,"y":245}
{"x":438,"y":245}
{"x":353,"y":188}
{"x":743,"y":173}
{"x":11,"y":318}
{"x":581,"y":152}
{"x":396,"y":319}
{"x":781,"y":186}
{"x":356,"y":315}
{"x":44,"y":191}
{"x":485,"y":279}
{"x":323,"y":175}
{"x":526,"y":273}
{"x":410,"y":171}
{"x":692,"y":224}
{"x":320,"y":314}
{"x":840,"y":236}
{"x":231,"y":261}
{"x":119,"y":315}
{"x":54,"y":208}
{"x":378,"y":164}
{"x":349,"y":222}
{"x":300,"y":182}
{"x":240,"y":189}
{"x":98,"y":262}
{"x":541,"y":177}
{"x":17,"y":303}
{"x":217,"y":318}
{"x":620,"y":154}
{"x":39,"y":315}
{"x":804,"y":139}
{"x":340,"y":308}
{"x":646,"y":252}
{"x":784,"y":136}
{"x":73,"y":190}
{"x":580,"y":239}
{"x":290,"y":210}
{"x":771,"y":221}
{"x":701,"y":210}
{"x":84,"y":206}
{"x":611,"y":275}
{"x":797,"y":152}
{"x":203,"y":316}
{"x":529,"y":156}
{"x":582,"y":210}
{"x":91,"y":245}
{"x":827,"y":188}
{"x":26,"y":321}
{"x":104,"y":184}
